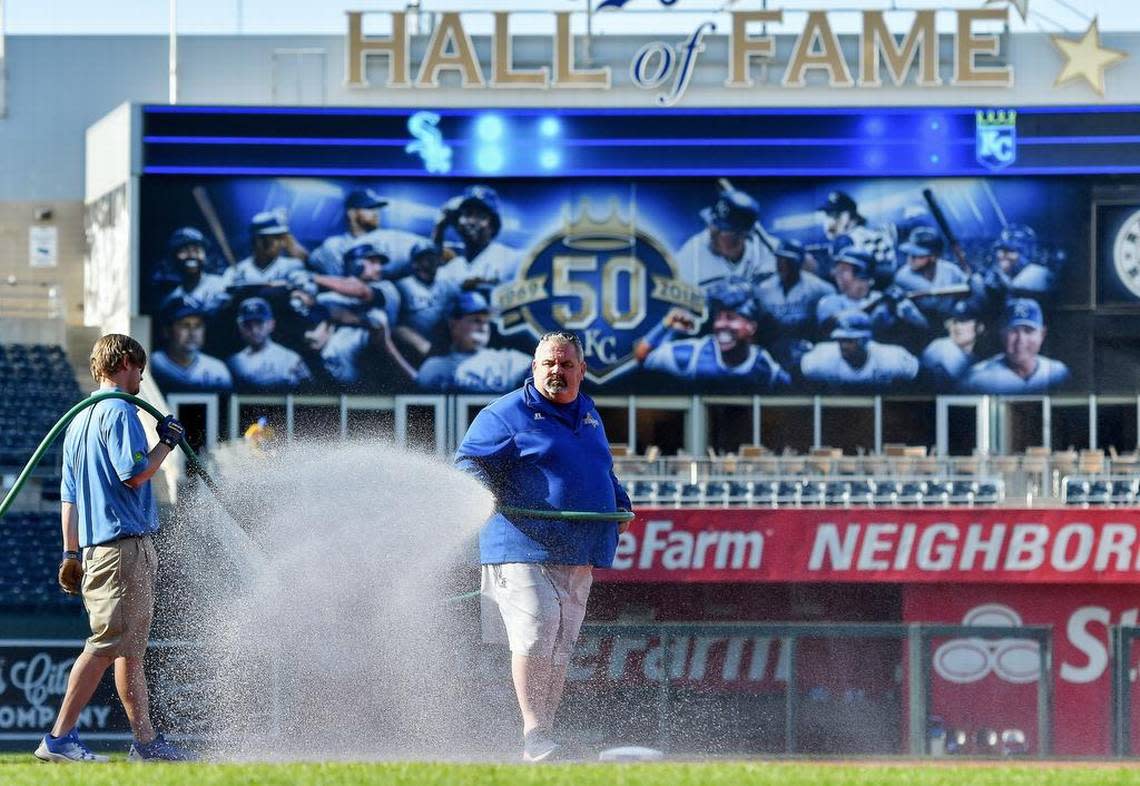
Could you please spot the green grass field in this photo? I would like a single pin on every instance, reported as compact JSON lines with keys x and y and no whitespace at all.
{"x":21,"y":770}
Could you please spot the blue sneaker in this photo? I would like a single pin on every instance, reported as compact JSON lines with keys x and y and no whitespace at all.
{"x":66,"y":748}
{"x":158,"y":749}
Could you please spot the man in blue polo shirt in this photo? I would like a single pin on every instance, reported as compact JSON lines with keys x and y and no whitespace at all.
{"x":542,"y":447}
{"x":108,"y":511}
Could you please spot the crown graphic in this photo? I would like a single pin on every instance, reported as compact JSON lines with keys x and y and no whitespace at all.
{"x":586,"y":233}
{"x":996,"y":117}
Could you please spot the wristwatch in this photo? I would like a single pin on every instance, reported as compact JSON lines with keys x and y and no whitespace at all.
{"x":71,"y":555}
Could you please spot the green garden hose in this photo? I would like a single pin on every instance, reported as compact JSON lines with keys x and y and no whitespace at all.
{"x":61,"y":425}
{"x":567,"y":515}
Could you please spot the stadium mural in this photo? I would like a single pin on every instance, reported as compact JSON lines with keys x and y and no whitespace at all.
{"x":745,"y":286}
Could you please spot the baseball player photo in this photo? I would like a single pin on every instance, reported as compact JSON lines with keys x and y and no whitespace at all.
{"x":360,"y":287}
{"x":338,"y":349}
{"x":853,"y":272}
{"x":268,"y":263}
{"x":946,"y":361}
{"x":423,"y":303}
{"x":1020,"y":367}
{"x":844,"y":226}
{"x":470,"y":366}
{"x":729,"y":246}
{"x":361,"y":215}
{"x":925,"y":271}
{"x":728,"y":354}
{"x":188,"y":254}
{"x":852,"y":362}
{"x":1015,"y":260}
{"x":182,"y":366}
{"x":788,"y":303}
{"x":482,"y":262}
{"x":264,"y":364}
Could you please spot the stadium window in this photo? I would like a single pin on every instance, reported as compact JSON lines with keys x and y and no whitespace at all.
{"x":787,"y":426}
{"x":421,"y":428}
{"x":848,"y":426}
{"x":910,"y":422}
{"x":1023,"y":424}
{"x":729,"y":426}
{"x":665,"y":428}
{"x":1116,"y":424}
{"x":372,"y":424}
{"x":316,"y":421}
{"x":1069,"y":424}
{"x":615,"y":420}
{"x":249,"y":413}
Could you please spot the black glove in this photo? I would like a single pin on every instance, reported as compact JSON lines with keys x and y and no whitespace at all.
{"x":170,"y":431}
{"x":70,"y":573}
{"x":893,"y":294}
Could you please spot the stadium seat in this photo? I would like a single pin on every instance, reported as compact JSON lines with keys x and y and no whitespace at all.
{"x":689,"y":495}
{"x":666,"y":493}
{"x":716,"y":493}
{"x":644,"y":492}
{"x":1075,"y":491}
{"x":1123,"y":492}
{"x":862,"y":492}
{"x":886,"y":492}
{"x":837,"y":492}
{"x":911,"y":492}
{"x":787,"y":493}
{"x":937,"y":493}
{"x":1099,"y":492}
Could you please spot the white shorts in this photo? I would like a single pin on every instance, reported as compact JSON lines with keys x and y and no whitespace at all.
{"x":535,"y":609}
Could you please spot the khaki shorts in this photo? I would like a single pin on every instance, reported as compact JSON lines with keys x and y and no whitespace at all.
{"x":118,"y":591}
{"x":535,"y":609}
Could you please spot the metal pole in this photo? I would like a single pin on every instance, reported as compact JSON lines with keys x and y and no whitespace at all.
{"x":790,"y":697}
{"x":916,"y":690}
{"x":172,"y":51}
{"x":663,"y":693}
{"x":1045,"y":698}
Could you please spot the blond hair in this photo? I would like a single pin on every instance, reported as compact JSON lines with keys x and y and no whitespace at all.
{"x":109,"y":353}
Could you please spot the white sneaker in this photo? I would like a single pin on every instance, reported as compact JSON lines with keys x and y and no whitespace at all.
{"x":538,"y":745}
{"x":66,"y":748}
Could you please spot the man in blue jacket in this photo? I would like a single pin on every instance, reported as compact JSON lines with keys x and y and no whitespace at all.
{"x":542,"y":447}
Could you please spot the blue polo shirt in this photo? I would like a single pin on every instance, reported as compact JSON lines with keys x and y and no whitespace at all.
{"x":533,"y":453}
{"x":104,"y":446}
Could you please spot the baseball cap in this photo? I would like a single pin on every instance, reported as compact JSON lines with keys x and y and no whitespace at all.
{"x":314,"y":315}
{"x":791,"y":250}
{"x":268,"y":222}
{"x":1017,"y":237}
{"x":839,"y":202}
{"x":420,"y":249}
{"x":363,"y":199}
{"x":179,"y":307}
{"x":362,"y":249}
{"x":734,"y":297}
{"x":481,"y":195}
{"x":964,"y":311}
{"x":862,"y":261}
{"x":852,"y":325}
{"x":185,"y":236}
{"x":733,"y":211}
{"x":923,"y":242}
{"x":1023,"y":311}
{"x":469,"y":303}
{"x":254,"y":309}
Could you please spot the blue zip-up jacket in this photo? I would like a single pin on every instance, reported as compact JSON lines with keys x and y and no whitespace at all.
{"x":532,"y":453}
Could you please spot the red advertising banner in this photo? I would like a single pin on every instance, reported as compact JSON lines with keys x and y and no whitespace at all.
{"x":1070,"y":546}
{"x":992,"y":684}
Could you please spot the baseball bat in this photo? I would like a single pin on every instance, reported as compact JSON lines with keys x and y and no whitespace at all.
{"x":766,"y":237}
{"x":212,"y":221}
{"x":944,"y":225}
{"x":952,"y":289}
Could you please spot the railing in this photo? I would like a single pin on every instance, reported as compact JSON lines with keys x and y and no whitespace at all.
{"x":800,"y":491}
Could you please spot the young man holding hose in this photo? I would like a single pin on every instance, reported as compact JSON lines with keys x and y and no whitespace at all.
{"x":542,"y":447}
{"x":109,"y":515}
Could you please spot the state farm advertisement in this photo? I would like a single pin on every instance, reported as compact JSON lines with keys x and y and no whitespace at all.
{"x":992,"y":684}
{"x":889,"y":545}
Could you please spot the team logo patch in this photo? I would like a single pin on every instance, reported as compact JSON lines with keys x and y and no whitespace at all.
{"x":996,"y":137}
{"x":605,"y":280}
{"x":589,"y":420}
{"x":138,"y":456}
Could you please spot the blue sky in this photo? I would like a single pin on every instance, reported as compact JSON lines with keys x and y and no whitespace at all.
{"x":327,"y":16}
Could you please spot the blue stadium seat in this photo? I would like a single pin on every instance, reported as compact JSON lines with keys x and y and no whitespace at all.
{"x":962,"y":492}
{"x":988,"y":493}
{"x":911,"y":492}
{"x":689,"y":494}
{"x":862,"y":492}
{"x":812,"y":493}
{"x":837,"y":492}
{"x":1123,"y":492}
{"x":937,"y":492}
{"x":787,"y":493}
{"x":666,"y":493}
{"x":1099,"y":492}
{"x":886,"y":492}
{"x":740,"y":492}
{"x":1075,"y":491}
{"x":716,"y":493}
{"x":644,"y":492}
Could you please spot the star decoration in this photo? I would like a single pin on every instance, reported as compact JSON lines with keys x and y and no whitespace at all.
{"x":1086,"y":58}
{"x":1022,"y":6}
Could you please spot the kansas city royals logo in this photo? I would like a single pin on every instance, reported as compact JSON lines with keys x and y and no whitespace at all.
{"x":996,"y":137}
{"x":1126,"y":253}
{"x":606,"y":280}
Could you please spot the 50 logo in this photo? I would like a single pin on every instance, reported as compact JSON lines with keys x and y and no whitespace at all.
{"x":606,"y":280}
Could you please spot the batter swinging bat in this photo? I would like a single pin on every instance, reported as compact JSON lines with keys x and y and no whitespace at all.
{"x":211,"y":216}
{"x":944,"y":225}
{"x":766,"y":237}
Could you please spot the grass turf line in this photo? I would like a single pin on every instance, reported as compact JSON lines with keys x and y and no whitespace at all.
{"x":17,"y":770}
